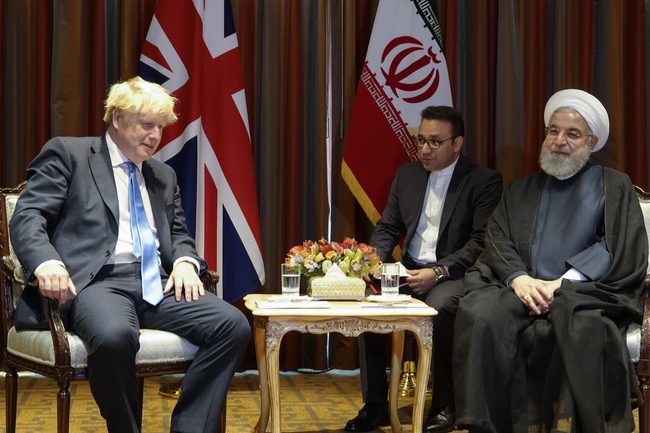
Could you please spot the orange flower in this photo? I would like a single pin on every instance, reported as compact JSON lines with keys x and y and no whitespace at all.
{"x":331,"y":254}
{"x":337,"y":247}
{"x":298,"y":249}
{"x":324,"y":246}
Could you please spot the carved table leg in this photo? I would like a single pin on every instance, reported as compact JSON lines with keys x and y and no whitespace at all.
{"x":260,"y":351}
{"x":423,"y":336}
{"x":273,"y":371}
{"x":395,"y":369}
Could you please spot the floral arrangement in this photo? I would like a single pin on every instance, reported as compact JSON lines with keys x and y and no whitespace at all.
{"x":315,"y":259}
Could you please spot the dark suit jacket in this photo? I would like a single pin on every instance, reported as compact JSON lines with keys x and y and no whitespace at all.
{"x":69,"y":212}
{"x":474,"y":191}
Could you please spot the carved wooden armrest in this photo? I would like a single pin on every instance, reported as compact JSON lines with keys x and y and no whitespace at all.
{"x":210,"y":280}
{"x":645,"y":326}
{"x":7,"y":271}
{"x":59,"y":337}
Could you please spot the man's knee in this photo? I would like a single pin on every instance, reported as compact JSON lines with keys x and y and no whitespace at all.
{"x":233,"y":325}
{"x":240,"y":327}
{"x":115,"y":341}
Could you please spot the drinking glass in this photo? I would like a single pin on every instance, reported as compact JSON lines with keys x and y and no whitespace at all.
{"x":390,"y":279}
{"x":290,"y":280}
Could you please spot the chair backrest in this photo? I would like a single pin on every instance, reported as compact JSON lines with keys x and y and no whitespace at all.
{"x":644,"y":201}
{"x":11,"y":283}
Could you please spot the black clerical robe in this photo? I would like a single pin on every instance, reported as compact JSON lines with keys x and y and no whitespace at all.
{"x":568,"y":370}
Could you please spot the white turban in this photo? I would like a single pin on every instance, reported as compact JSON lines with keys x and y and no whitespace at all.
{"x":589,"y":108}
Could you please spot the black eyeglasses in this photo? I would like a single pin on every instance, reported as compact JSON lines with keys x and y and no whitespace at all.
{"x":433,"y":144}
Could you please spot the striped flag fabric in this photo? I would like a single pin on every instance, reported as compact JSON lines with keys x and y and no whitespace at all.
{"x":191,"y":49}
{"x":404,"y":71}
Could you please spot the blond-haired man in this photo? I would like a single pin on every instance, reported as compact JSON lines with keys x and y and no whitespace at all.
{"x":100,"y":227}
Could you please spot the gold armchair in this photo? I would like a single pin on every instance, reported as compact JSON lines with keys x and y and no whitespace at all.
{"x":61,"y":355}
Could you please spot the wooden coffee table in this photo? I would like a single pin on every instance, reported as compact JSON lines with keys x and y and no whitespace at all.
{"x":349,"y":319}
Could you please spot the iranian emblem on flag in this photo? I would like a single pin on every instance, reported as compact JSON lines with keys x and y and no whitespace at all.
{"x":405,"y":71}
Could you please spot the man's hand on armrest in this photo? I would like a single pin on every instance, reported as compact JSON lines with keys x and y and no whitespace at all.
{"x":54,"y":282}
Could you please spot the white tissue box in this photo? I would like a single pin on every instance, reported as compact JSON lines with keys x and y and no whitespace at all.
{"x":337,"y":288}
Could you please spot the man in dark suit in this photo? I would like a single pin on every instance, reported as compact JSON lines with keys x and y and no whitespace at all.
{"x":442,"y":204}
{"x":76,"y":232}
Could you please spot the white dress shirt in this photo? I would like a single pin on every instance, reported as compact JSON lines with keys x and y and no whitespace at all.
{"x":123,"y":252}
{"x":422,"y":248}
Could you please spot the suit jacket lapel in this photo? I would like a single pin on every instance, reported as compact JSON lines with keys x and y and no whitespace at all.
{"x":102,"y":172}
{"x":456,"y":185}
{"x":156,"y":191}
{"x":418,"y":193}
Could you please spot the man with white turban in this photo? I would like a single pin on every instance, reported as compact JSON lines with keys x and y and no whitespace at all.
{"x":538,"y":343}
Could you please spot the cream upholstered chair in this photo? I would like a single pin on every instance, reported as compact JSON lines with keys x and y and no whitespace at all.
{"x":61,"y":355}
{"x":639,"y":336}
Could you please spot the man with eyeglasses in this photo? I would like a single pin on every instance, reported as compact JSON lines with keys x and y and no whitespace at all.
{"x":441,"y":203}
{"x":539,"y":336}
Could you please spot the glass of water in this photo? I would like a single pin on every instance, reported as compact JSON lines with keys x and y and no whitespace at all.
{"x":390,"y":279}
{"x":290,"y":280}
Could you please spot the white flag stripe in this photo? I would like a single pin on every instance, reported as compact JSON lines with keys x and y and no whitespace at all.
{"x":228,"y":200}
{"x":239,"y":98}
{"x":178,"y":74}
{"x":213,"y":26}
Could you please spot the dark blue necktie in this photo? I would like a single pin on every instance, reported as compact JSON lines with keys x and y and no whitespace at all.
{"x":144,"y":243}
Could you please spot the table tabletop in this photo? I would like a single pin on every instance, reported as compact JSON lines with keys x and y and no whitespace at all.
{"x":412,"y":307}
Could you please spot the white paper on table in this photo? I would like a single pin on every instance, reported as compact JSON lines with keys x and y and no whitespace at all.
{"x":289,"y":298}
{"x":281,"y":305}
{"x":397,"y":304}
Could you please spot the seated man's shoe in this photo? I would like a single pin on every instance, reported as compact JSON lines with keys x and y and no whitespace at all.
{"x":440,"y":420}
{"x":371,"y":416}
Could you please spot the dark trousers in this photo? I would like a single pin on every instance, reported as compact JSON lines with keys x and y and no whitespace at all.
{"x":108,"y":316}
{"x":444,"y":298}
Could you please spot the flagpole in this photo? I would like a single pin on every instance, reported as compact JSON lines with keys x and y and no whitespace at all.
{"x":329,"y":137}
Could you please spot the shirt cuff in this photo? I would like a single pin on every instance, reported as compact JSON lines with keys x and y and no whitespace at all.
{"x":47,"y":263}
{"x":574,"y":275}
{"x":191,"y":260}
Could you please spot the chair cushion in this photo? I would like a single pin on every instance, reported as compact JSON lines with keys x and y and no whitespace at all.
{"x":634,"y":341}
{"x":156,"y":347}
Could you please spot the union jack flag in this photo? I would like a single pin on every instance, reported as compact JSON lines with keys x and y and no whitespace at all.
{"x":191,"y":49}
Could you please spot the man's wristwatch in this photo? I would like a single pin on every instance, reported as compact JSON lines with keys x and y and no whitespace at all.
{"x":440,"y":276}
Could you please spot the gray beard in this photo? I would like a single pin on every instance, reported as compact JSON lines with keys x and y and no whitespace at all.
{"x":560,"y":167}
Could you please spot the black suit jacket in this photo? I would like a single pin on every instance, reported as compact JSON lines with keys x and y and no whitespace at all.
{"x":69,"y":212}
{"x":474,"y":191}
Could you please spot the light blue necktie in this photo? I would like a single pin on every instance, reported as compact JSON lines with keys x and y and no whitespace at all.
{"x":144,"y":244}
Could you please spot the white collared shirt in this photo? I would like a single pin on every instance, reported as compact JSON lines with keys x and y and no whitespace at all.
{"x":422,"y":248}
{"x":123,"y":252}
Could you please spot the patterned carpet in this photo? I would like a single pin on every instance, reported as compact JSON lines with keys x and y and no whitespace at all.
{"x":311,"y":402}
